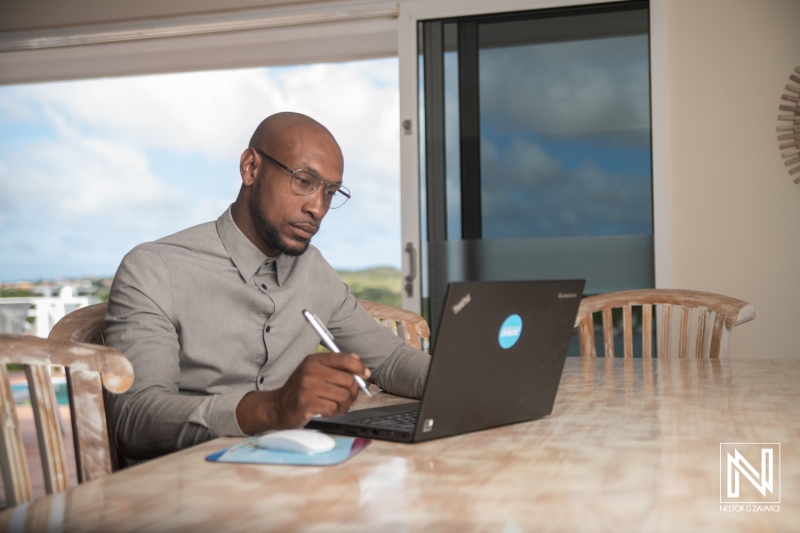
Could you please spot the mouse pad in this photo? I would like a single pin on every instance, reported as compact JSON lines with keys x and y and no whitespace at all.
{"x":247,"y":452}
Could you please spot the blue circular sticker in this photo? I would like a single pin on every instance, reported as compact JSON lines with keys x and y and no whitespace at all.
{"x":510,"y":331}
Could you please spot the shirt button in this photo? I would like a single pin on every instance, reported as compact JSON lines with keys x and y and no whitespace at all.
{"x":261,"y":380}
{"x":263,"y":286}
{"x":267,"y":329}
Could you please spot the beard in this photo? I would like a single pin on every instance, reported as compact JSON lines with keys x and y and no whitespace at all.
{"x":268,"y":231}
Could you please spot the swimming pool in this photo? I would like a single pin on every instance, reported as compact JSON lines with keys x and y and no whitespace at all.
{"x":21,"y":395}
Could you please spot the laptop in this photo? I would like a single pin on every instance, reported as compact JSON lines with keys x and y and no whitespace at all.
{"x":498,"y":359}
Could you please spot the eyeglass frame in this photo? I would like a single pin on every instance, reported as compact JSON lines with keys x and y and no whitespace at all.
{"x":341,"y":189}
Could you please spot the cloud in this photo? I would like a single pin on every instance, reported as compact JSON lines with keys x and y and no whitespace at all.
{"x":106,"y":164}
{"x":579,"y":88}
{"x":214,"y":113}
{"x":565,"y":139}
{"x":73,"y":204}
{"x":80,"y":175}
{"x":527,"y":193}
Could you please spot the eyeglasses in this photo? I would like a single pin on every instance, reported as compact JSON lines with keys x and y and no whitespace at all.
{"x":304,"y":182}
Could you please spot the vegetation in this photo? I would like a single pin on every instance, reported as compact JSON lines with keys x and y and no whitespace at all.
{"x":381,"y":284}
{"x":15,"y":293}
{"x":100,"y":288}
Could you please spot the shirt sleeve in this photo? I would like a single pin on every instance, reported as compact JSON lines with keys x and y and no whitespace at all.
{"x":153,"y":417}
{"x":396,"y":367}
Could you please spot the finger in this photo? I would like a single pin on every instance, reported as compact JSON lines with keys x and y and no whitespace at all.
{"x":348,"y":362}
{"x":344,"y":381}
{"x":345,"y":362}
{"x":324,"y":382}
{"x":324,"y":407}
{"x":343,"y":398}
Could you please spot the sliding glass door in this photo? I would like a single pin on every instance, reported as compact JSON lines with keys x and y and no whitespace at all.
{"x":535,"y":148}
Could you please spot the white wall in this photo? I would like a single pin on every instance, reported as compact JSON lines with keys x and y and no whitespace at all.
{"x":734,"y":210}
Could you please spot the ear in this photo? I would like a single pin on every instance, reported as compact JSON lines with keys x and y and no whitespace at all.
{"x":248,"y":167}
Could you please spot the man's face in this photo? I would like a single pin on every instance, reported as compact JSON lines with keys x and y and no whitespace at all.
{"x":284,"y":220}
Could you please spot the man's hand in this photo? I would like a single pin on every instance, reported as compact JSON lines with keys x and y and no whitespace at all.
{"x":322,"y":384}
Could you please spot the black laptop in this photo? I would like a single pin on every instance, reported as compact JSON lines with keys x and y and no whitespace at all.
{"x":498,"y":359}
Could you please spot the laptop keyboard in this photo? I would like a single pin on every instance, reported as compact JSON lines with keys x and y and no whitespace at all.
{"x":402,"y":421}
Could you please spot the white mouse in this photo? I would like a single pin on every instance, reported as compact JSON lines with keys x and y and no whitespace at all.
{"x":305,"y":441}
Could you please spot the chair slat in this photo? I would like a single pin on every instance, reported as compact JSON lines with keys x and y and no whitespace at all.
{"x":14,"y":463}
{"x":683,"y":343}
{"x":608,"y":333}
{"x":647,"y":331}
{"x":586,"y":337}
{"x":48,"y":429}
{"x":92,"y":450}
{"x":699,"y":350}
{"x":400,"y":331}
{"x":733,"y":312}
{"x":717,"y":337}
{"x":627,"y":331}
{"x":666,"y":332}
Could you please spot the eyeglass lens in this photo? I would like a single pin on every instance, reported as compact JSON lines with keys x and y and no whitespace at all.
{"x":304,"y":183}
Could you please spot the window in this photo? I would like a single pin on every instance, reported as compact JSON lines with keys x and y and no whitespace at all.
{"x":537,"y":148}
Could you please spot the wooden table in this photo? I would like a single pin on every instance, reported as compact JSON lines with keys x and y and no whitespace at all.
{"x":631,"y":445}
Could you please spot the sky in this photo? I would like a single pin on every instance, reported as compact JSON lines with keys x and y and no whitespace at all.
{"x":565,"y":139}
{"x":91,"y":168}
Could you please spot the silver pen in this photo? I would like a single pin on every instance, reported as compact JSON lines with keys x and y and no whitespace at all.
{"x":327,"y":340}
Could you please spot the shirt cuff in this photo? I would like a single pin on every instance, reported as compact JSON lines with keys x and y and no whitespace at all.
{"x":221,"y":414}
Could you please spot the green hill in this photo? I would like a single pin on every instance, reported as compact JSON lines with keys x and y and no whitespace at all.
{"x":380,"y":284}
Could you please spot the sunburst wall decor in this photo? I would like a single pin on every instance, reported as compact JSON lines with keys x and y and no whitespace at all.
{"x":789,"y":134}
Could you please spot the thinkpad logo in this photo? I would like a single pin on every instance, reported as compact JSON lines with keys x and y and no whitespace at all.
{"x":567,"y":295}
{"x":460,"y":305}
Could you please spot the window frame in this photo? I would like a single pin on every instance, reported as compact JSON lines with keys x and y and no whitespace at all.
{"x":414,"y":11}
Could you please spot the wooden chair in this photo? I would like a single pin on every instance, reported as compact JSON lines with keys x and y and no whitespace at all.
{"x":407,"y":325}
{"x":89,"y":368}
{"x":714,"y":312}
{"x":88,"y":324}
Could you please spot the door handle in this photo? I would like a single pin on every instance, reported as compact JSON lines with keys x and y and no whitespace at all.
{"x":412,"y":263}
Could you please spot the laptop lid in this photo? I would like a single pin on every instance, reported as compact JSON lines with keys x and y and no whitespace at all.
{"x":499,"y":355}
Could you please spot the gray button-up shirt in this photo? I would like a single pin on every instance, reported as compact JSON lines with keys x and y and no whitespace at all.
{"x":205,"y":317}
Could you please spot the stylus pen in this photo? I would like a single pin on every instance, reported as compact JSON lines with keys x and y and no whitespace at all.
{"x":327,"y":340}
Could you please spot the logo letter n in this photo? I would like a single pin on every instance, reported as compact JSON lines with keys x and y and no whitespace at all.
{"x":737,"y":464}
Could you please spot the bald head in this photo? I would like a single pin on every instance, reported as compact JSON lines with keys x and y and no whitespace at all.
{"x":279,"y":132}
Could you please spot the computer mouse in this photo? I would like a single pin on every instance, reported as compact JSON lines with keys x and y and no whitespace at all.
{"x":305,"y":441}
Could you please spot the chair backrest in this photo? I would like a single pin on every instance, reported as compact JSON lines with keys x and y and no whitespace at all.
{"x":715,"y":316}
{"x":89,"y":368}
{"x":407,"y":325}
{"x":88,"y":324}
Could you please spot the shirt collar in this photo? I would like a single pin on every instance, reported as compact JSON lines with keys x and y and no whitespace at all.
{"x":245,"y":255}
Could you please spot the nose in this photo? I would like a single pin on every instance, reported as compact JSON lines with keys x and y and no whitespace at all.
{"x":315,"y":204}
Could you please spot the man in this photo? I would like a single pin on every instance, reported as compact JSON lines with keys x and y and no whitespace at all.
{"x":210,"y":317}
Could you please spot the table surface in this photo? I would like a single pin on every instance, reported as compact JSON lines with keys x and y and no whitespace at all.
{"x":632,"y":445}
